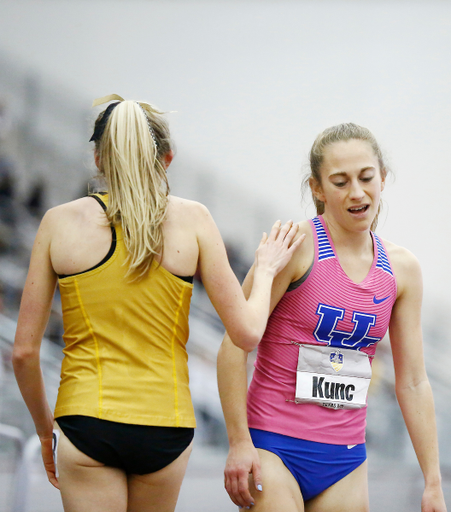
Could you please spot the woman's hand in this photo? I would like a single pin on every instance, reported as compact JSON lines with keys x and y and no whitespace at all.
{"x":276,"y":250}
{"x":242,"y":461}
{"x":433,"y":500}
{"x":47,"y":457}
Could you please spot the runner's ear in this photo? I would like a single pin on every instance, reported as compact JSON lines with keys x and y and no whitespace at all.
{"x":317,"y":189}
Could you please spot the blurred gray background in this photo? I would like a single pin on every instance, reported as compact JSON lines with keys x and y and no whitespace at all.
{"x":252,"y":82}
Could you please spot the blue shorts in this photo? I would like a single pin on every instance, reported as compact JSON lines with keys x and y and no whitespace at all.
{"x":315,"y":466}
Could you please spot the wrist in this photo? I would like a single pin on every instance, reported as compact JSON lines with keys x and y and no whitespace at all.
{"x":263,"y":271}
{"x":45,"y":431}
{"x":240,"y":439}
{"x":433,"y":482}
{"x":46,"y":438}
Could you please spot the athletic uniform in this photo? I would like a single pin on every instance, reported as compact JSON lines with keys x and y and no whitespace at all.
{"x":307,"y":398}
{"x":124,"y":377}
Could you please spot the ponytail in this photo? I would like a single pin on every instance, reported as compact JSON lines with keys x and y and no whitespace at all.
{"x":134,"y":140}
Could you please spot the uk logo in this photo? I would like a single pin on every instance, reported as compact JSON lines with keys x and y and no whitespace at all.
{"x":326,"y":331}
{"x":336,"y":360}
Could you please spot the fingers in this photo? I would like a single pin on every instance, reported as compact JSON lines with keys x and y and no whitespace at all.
{"x":47,"y":458}
{"x":295,"y":245}
{"x":276,"y":250}
{"x":275,"y":230}
{"x":242,"y":467}
{"x":288,"y":233}
{"x":51,"y":473}
{"x":237,"y":487}
{"x":53,"y":480}
{"x":263,"y":240}
{"x":279,"y":232}
{"x":285,"y":233}
{"x":257,"y":476}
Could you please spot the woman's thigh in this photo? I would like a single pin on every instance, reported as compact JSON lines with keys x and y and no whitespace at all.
{"x":158,"y":491}
{"x":280,"y":489}
{"x":87,"y":485}
{"x":350,"y":494}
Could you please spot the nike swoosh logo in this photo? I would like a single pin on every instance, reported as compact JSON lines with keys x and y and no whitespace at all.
{"x":379,"y":301}
{"x":351,"y":446}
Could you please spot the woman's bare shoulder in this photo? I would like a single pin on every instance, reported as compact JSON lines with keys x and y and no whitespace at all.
{"x":405,"y":264}
{"x":306,"y":248}
{"x":301,"y":259}
{"x":304,"y":228}
{"x":399,"y":255}
{"x":187,"y":210}
{"x":73,"y":207}
{"x":79,"y":210}
{"x":182,"y":203}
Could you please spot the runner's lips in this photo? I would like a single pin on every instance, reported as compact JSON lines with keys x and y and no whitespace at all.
{"x":359,"y":209}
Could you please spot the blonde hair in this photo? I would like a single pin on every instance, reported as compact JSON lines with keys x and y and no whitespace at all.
{"x":130,"y":158}
{"x":340,"y":133}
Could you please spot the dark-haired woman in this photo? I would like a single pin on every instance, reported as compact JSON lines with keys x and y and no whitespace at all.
{"x":302,"y":443}
{"x":124,"y":263}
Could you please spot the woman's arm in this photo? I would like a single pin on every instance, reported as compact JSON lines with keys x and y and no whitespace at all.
{"x":33,"y":317}
{"x":245,"y":321}
{"x":243,"y":458}
{"x":413,"y":390}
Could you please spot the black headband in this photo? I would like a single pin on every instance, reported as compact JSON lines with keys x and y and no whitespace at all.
{"x":100,"y":126}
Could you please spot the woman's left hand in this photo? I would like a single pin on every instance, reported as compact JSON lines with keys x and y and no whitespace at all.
{"x":433,"y":500}
{"x":47,"y":457}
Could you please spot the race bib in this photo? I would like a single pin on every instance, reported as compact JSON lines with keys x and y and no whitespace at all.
{"x":331,"y":377}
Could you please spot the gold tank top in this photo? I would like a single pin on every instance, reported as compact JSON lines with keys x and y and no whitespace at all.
{"x":125,"y":356}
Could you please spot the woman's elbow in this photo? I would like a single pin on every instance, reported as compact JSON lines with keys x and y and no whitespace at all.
{"x":22,"y":356}
{"x":414,"y":386}
{"x":247,"y":341}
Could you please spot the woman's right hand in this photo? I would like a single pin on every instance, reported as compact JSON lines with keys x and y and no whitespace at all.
{"x":47,"y":458}
{"x":276,"y":250}
{"x":242,"y":461}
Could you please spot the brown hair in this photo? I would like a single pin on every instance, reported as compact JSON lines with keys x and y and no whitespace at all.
{"x":340,"y":133}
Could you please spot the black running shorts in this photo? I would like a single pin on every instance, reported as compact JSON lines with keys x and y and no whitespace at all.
{"x":137,"y":449}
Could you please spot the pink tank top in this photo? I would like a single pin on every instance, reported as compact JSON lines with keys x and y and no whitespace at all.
{"x":328,"y":308}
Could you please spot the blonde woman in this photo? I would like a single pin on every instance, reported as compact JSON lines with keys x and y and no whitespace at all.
{"x":124,"y":263}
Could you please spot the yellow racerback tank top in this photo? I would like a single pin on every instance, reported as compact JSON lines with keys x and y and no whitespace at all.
{"x":125,"y":358}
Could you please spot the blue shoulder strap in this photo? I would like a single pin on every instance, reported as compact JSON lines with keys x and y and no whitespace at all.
{"x":325,"y":250}
{"x":382,"y":259}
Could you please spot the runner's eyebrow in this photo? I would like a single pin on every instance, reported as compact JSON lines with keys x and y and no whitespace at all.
{"x":344,"y":173}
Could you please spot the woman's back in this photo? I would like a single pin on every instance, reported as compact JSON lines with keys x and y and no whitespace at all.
{"x":124,"y":337}
{"x":81,"y":236}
